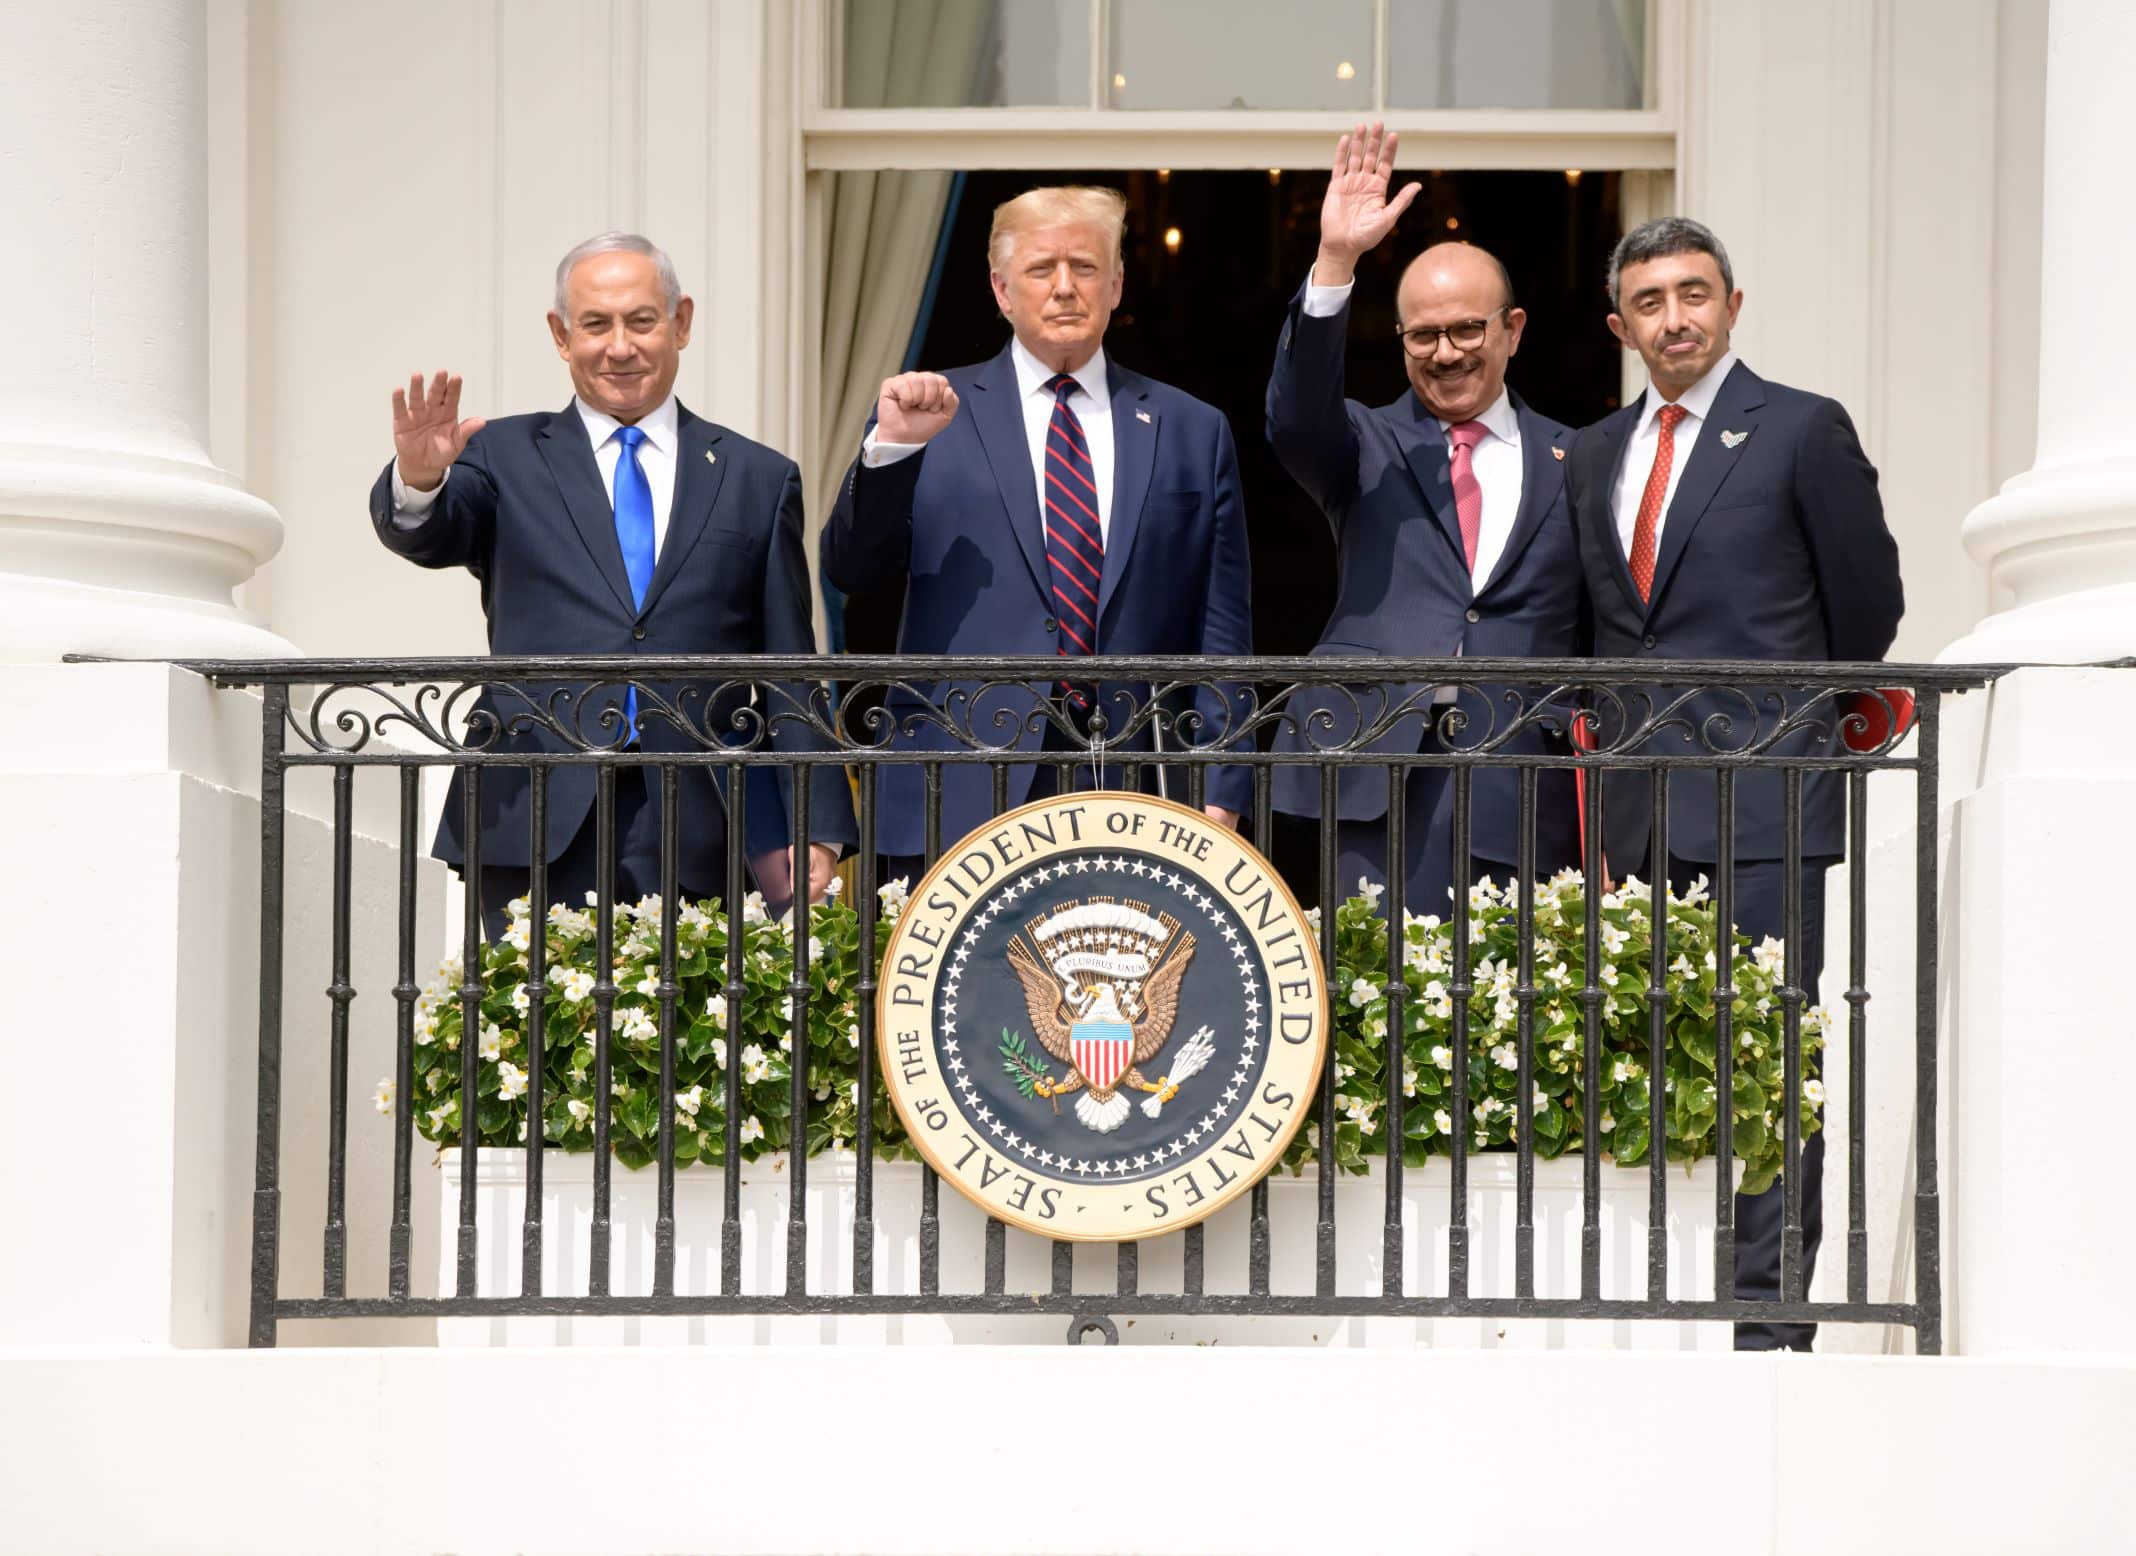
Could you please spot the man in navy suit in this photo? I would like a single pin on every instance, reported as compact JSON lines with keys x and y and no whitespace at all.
{"x":1722,"y":517}
{"x":1452,"y":539}
{"x":621,"y":524}
{"x":1049,"y":501}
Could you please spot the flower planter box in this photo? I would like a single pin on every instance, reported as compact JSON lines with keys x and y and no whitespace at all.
{"x":1360,"y":1204}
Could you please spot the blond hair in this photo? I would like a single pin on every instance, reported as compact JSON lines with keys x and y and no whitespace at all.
{"x":1056,"y":206}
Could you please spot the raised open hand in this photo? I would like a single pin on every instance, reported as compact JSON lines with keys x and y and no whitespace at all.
{"x":913,"y":407}
{"x":1356,"y":214}
{"x":428,"y":434}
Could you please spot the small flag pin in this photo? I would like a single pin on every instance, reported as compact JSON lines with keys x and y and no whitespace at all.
{"x":1557,"y":453}
{"x":1731,"y":439}
{"x":711,"y":458}
{"x":1142,"y":415}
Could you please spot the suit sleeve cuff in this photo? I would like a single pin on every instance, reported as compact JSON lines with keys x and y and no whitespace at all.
{"x":874,"y":455}
{"x":411,"y":507}
{"x":1324,"y":302}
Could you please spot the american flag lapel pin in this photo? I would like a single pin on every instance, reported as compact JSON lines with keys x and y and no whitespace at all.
{"x":1142,"y":416}
{"x":1557,"y":453}
{"x":711,"y":458}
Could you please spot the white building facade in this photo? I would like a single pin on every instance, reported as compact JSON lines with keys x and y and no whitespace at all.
{"x":238,"y":223}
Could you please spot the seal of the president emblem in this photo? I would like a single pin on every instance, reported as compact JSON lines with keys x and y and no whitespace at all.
{"x":1101,"y":1016}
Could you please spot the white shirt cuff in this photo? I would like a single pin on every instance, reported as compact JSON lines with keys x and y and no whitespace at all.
{"x":411,"y":507}
{"x":875,"y":454}
{"x":1323,"y":302}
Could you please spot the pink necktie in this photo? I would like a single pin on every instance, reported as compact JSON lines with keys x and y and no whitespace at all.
{"x":1468,"y":496}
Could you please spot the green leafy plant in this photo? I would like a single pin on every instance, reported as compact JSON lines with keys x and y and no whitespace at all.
{"x":752,"y":1027}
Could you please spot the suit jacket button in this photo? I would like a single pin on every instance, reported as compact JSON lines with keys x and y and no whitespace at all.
{"x":1648,"y":640}
{"x":638,"y":634}
{"x":1475,"y":615}
{"x":1052,"y":625}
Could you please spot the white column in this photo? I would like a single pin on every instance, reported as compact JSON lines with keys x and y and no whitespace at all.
{"x":118,"y":535}
{"x":2059,"y":541}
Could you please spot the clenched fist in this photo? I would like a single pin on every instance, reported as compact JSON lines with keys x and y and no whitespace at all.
{"x":913,"y":407}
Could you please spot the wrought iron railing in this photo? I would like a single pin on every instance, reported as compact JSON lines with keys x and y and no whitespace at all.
{"x":476,"y":715}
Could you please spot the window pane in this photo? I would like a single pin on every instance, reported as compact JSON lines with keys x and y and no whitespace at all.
{"x":1516,"y":53}
{"x":1240,"y":54}
{"x":966,"y":54}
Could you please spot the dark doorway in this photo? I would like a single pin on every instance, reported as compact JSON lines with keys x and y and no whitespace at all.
{"x":1204,"y":317}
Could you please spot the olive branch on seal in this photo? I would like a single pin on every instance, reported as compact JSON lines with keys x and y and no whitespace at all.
{"x":1023,"y":1066}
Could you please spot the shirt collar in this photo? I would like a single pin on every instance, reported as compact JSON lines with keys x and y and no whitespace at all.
{"x":1697,"y":400}
{"x":1500,"y":420}
{"x":660,"y":424}
{"x":1033,"y":375}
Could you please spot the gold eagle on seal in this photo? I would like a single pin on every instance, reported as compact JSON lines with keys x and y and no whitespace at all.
{"x":1101,"y":983}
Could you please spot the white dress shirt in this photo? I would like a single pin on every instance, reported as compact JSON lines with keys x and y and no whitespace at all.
{"x":656,"y":457}
{"x":1697,"y":402}
{"x":1092,"y":404}
{"x":1495,"y":459}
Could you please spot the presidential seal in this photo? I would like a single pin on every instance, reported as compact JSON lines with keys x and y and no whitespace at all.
{"x":1102,"y":1017}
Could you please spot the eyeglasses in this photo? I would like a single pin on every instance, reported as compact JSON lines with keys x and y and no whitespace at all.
{"x":1423,"y":340}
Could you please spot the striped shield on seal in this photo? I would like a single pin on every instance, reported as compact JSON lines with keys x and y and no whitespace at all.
{"x":1102,"y":1050}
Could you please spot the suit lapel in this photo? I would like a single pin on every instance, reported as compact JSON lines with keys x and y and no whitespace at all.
{"x":997,"y":416}
{"x":1542,"y":479}
{"x":1134,"y":430}
{"x":1711,"y":462}
{"x":1606,"y":467}
{"x":564,"y":449}
{"x":697,"y":483}
{"x":1424,"y":446}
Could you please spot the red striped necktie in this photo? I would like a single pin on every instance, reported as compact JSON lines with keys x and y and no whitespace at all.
{"x":1075,"y":544}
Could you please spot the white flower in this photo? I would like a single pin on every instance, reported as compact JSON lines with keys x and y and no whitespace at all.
{"x":1312,"y":918}
{"x":1560,"y":976}
{"x":1409,"y":1080}
{"x":382,"y":1099}
{"x":1504,"y":1057}
{"x":1541,"y":1100}
{"x":1770,"y":955}
{"x":577,"y":984}
{"x":1816,"y":1019}
{"x":1363,"y":992}
{"x":1609,"y":976}
{"x":649,"y":985}
{"x":1609,"y":1123}
{"x":639,"y":1026}
{"x":752,"y":1129}
{"x":1370,"y":891}
{"x":716,"y":1009}
{"x":519,"y":998}
{"x":579,"y":1110}
{"x":492,"y":1041}
{"x":1683,"y":969}
{"x":1442,"y":1121}
{"x":517,"y":936}
{"x":1626,"y":1070}
{"x":519,"y":907}
{"x":690,"y":1101}
{"x":438,"y":1115}
{"x":1376,"y":1027}
{"x":511,"y":1080}
{"x":719,"y":1052}
{"x":1813,"y":1093}
{"x":1442,"y":1056}
{"x":753,"y":909}
{"x":1614,"y":940}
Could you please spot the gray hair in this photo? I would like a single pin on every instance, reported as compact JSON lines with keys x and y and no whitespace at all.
{"x":619,"y":243}
{"x":1658,"y":239}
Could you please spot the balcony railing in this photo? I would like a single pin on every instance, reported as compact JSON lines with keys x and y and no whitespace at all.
{"x":1717,"y":725}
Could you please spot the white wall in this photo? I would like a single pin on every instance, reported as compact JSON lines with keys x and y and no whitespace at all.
{"x":1874,"y":171}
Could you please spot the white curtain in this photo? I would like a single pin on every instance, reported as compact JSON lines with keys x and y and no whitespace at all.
{"x":884,"y":226}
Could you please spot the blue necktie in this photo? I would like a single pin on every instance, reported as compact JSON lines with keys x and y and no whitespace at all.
{"x":634,"y":532}
{"x":1075,"y":545}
